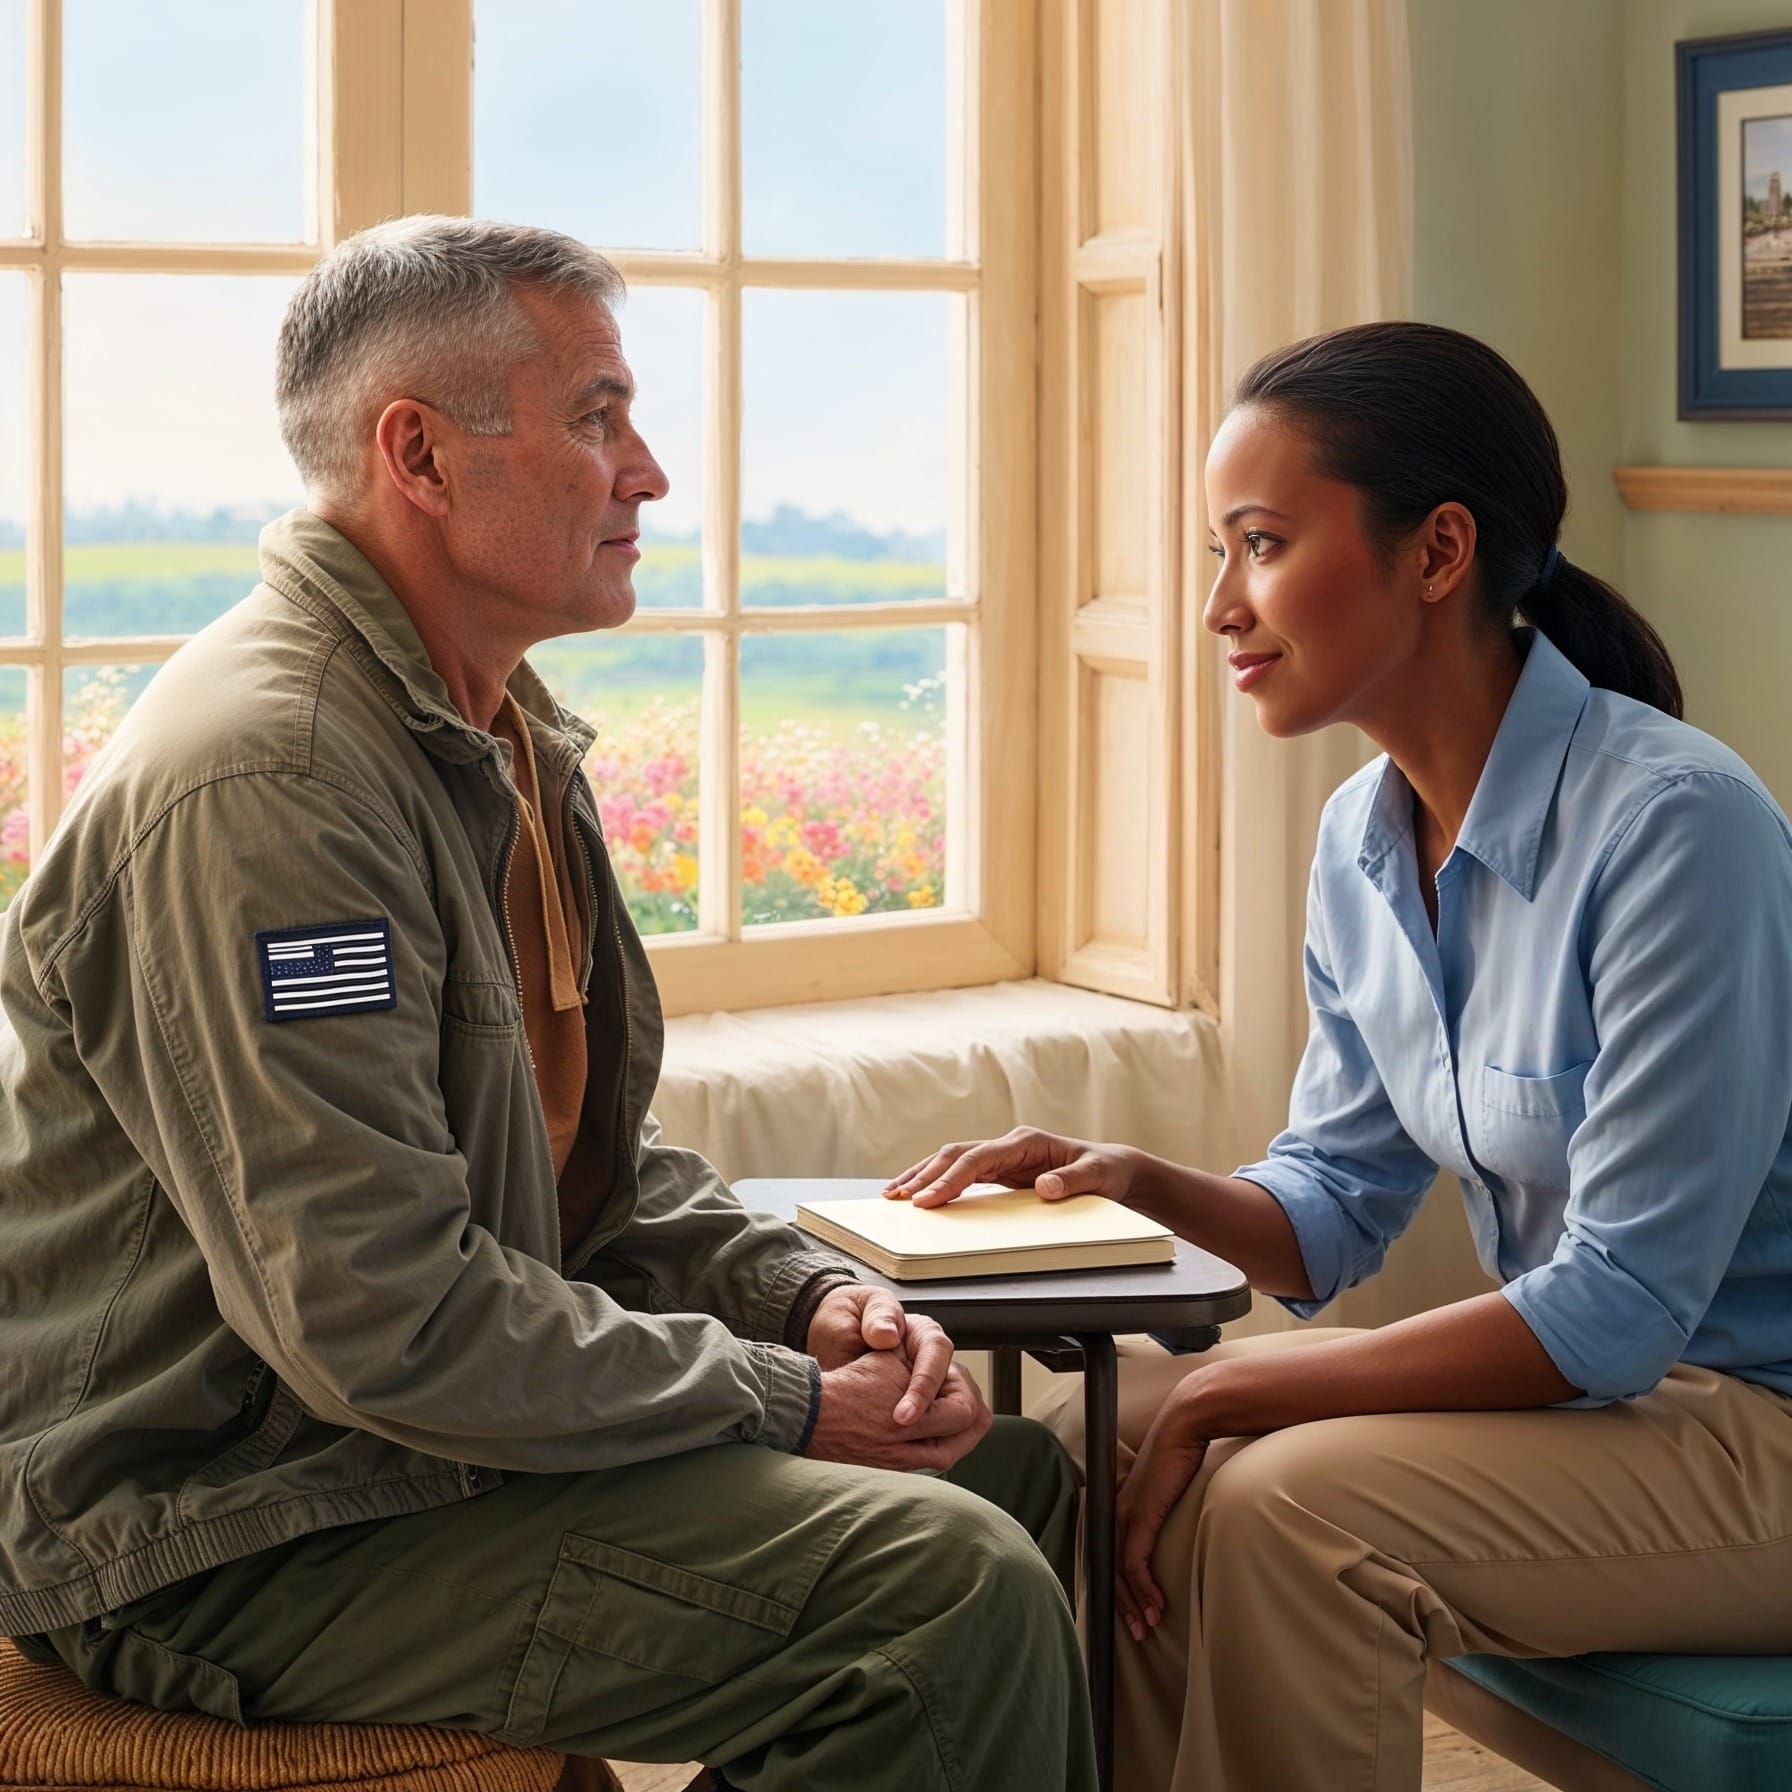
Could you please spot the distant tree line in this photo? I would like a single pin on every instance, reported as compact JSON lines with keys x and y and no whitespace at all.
{"x":789,"y":530}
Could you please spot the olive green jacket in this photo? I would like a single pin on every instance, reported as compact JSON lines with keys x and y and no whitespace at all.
{"x":265,"y":1271}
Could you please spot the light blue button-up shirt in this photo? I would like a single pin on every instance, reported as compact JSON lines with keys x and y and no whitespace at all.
{"x":1597,"y":1041}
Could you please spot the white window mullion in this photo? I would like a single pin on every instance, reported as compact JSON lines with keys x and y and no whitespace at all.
{"x":43,"y":564}
{"x":719,"y":887}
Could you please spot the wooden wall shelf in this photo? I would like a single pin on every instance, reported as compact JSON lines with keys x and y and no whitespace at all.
{"x":1761,"y":491}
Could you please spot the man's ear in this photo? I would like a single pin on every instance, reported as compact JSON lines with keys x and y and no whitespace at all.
{"x":1446,"y":547}
{"x":410,"y":438}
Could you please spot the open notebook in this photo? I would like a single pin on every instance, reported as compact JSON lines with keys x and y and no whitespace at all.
{"x":988,"y":1231}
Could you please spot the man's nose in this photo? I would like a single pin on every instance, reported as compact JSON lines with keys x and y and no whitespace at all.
{"x":643,"y":479}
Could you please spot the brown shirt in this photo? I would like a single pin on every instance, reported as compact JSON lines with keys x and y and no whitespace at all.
{"x":547,"y":931}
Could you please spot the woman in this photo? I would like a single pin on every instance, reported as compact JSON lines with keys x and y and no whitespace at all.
{"x":1549,"y":948}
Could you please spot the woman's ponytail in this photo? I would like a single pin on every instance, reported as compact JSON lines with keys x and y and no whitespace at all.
{"x":1414,"y":416}
{"x":1605,"y":637}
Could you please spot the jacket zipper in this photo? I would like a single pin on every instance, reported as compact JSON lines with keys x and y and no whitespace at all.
{"x":581,"y":1253}
{"x":571,"y":830}
{"x":516,"y":963}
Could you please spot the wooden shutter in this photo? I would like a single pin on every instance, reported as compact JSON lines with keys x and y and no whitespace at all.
{"x":1109,"y":468}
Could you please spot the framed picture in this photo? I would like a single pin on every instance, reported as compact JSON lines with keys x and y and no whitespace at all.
{"x":1735,"y":132}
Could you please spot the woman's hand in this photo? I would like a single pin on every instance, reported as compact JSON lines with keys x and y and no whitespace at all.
{"x":1056,"y":1167}
{"x":1168,"y":1460}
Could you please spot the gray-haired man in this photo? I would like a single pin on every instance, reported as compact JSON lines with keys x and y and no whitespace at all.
{"x":369,"y":1356}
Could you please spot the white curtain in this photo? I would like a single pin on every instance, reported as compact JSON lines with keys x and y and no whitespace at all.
{"x":1295,"y":181}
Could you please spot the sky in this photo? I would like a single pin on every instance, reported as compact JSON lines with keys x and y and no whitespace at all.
{"x":1766,"y":150}
{"x":185,"y":120}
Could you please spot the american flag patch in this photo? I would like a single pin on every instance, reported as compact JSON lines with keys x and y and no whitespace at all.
{"x":344,"y":967}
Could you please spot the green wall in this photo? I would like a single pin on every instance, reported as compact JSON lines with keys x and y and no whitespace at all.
{"x":1718,"y":587}
{"x":1517,"y":169}
{"x":1545,"y":222}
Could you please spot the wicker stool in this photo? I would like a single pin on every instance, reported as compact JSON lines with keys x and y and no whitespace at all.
{"x":56,"y":1736}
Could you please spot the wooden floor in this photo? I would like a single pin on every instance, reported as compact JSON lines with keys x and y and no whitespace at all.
{"x":1452,"y":1764}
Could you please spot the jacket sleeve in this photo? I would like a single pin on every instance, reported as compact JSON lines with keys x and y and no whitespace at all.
{"x":313,"y":1161}
{"x":698,"y":1249}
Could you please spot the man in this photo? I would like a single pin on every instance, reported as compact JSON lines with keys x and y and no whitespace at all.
{"x":368,"y":1355}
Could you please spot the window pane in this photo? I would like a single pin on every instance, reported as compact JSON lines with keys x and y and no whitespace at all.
{"x":94,"y":699}
{"x":185,"y":121}
{"x":843,"y":125}
{"x":844,"y":447}
{"x":585,"y":119}
{"x":15,"y":494}
{"x":12,"y":118}
{"x":644,"y":695}
{"x":172,"y":454}
{"x":662,"y":341}
{"x":843,"y":773}
{"x":15,"y":802}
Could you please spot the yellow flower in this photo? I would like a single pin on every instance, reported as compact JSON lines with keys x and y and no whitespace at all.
{"x":754,"y":817}
{"x":842,"y":896}
{"x":921,"y":898}
{"x":805,"y":867}
{"x":684,"y":870}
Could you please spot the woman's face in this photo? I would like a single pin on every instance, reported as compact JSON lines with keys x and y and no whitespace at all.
{"x":1315,"y":624}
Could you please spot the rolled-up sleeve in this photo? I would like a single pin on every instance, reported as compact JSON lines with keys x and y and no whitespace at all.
{"x":1345,"y":1171}
{"x":1689,"y":955}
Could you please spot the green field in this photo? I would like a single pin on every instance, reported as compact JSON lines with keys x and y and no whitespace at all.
{"x":839,"y":679}
{"x":175,"y":587}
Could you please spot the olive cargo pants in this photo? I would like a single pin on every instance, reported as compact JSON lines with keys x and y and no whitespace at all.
{"x":797,"y":1623}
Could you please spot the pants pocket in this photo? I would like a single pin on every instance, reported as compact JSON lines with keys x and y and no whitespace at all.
{"x":138,"y":1668}
{"x":647,"y":1615}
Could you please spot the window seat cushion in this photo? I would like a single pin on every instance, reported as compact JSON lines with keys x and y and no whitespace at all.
{"x":867,"y":1087}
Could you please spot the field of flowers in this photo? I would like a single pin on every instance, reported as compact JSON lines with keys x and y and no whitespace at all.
{"x":95,"y":707}
{"x":835,"y":821}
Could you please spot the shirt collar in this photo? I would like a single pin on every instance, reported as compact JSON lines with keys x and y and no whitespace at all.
{"x":1504,"y":824}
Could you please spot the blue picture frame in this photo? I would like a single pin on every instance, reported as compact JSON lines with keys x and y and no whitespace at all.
{"x":1705,"y":69}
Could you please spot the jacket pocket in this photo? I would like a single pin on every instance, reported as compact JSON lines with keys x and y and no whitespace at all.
{"x":1527,"y":1122}
{"x":267,"y":1420}
{"x":647,"y":1614}
{"x":478,"y":1008}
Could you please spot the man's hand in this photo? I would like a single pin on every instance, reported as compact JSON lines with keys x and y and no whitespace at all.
{"x":855,"y":1423}
{"x":853,"y":1320}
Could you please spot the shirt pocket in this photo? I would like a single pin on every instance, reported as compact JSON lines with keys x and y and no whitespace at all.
{"x":1527,"y":1121}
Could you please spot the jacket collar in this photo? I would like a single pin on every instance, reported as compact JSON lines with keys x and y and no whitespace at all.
{"x":1506,"y":816}
{"x":306,"y":559}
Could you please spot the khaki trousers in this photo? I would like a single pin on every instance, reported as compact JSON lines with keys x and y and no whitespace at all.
{"x":1312,"y":1571}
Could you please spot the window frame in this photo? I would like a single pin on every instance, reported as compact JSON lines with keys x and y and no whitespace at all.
{"x":984,"y":930}
{"x":394,"y":134}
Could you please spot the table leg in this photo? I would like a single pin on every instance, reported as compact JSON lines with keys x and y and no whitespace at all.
{"x":1101,"y":1430}
{"x":1004,"y":1379}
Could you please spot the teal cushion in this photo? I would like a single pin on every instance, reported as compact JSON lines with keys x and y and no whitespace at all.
{"x":1683,"y":1723}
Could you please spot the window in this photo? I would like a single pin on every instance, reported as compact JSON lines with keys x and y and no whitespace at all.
{"x":139,"y":453}
{"x":815,"y":734}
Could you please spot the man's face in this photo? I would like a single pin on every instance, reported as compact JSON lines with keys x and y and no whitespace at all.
{"x":545,"y":518}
